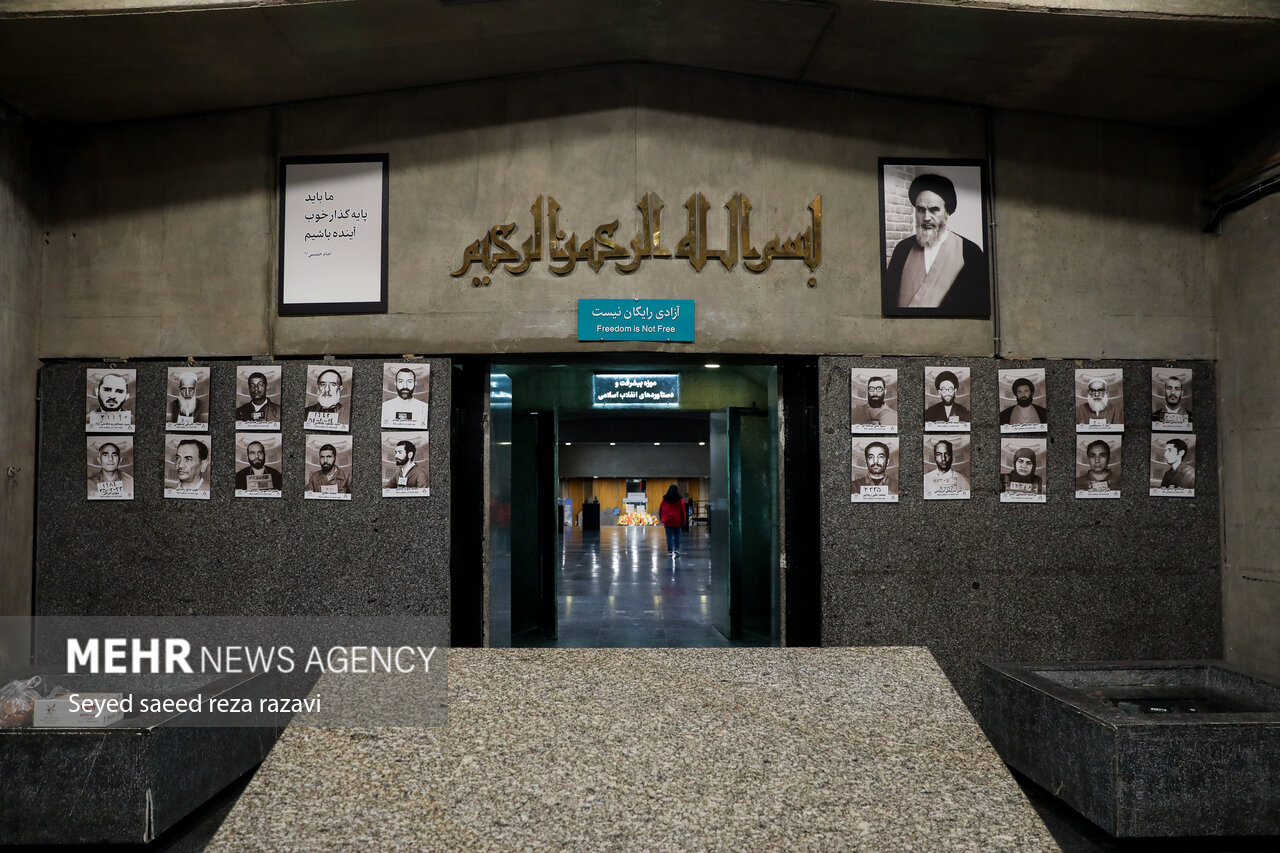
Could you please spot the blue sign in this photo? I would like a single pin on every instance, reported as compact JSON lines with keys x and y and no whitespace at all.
{"x":635,"y":391}
{"x":635,"y":319}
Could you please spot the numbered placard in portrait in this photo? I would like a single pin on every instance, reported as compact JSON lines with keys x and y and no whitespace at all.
{"x":946,"y":467}
{"x":1173,"y":469}
{"x":110,"y":400}
{"x":1100,"y":400}
{"x":946,"y":400}
{"x":875,"y":469}
{"x":109,"y":460}
{"x":1171,"y":399}
{"x":874,"y":396}
{"x":1023,"y":401}
{"x":328,"y":397}
{"x":187,"y":471}
{"x":258,"y":397}
{"x":404,"y":464}
{"x":1024,"y":470}
{"x":328,"y":468}
{"x":406,"y":387}
{"x":1098,"y":466}
{"x":259,"y":465}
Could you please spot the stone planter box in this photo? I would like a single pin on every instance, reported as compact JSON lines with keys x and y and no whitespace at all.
{"x":130,"y":781}
{"x":1181,"y":748}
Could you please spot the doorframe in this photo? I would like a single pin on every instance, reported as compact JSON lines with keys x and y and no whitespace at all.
{"x":797,"y":600}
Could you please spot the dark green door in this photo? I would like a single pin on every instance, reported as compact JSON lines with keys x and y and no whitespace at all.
{"x":535,"y":544}
{"x":742,"y":520}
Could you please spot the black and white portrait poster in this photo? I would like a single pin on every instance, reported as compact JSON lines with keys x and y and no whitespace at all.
{"x":1173,"y":470}
{"x":109,"y":399}
{"x":1100,"y":400}
{"x":946,"y":467}
{"x":933,"y":239}
{"x":1024,"y":470}
{"x":946,"y":400}
{"x":187,"y":400}
{"x":258,"y":397}
{"x":404,"y":464}
{"x":875,"y":469}
{"x":259,"y":465}
{"x":1098,"y":466}
{"x":109,"y":460}
{"x":328,"y":468}
{"x":405,"y":391}
{"x":1171,"y":399}
{"x":874,"y":396}
{"x":186,"y":467}
{"x":1023,"y":401}
{"x":328,"y":397}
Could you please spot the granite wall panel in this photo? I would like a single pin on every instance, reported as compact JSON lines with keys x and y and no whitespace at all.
{"x":238,"y":556}
{"x":975,"y":579}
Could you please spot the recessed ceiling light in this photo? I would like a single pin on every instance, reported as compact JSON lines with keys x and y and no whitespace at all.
{"x":702,"y":444}
{"x":712,"y":366}
{"x":613,"y":444}
{"x":657,"y":444}
{"x":568,"y":444}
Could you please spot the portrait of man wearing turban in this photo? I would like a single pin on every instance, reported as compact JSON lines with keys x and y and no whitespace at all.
{"x":936,"y":270}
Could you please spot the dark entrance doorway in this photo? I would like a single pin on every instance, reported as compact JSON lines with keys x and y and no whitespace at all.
{"x":570,"y":558}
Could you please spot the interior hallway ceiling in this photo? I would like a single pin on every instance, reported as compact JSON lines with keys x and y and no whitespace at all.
{"x":1173,"y":63}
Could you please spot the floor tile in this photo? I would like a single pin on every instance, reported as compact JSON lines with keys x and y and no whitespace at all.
{"x":619,"y":588}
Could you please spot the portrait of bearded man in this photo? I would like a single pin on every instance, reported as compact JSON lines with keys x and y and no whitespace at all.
{"x":1025,"y":413}
{"x":330,"y":386}
{"x":110,"y":400}
{"x":875,"y":413}
{"x":1103,"y":406}
{"x":1172,"y":409}
{"x":936,"y":271}
{"x":189,"y":408}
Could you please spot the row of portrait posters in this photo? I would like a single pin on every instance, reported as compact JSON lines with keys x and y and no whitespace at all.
{"x":259,"y":466}
{"x":1099,"y":400}
{"x":1023,"y":468}
{"x":111,"y":398}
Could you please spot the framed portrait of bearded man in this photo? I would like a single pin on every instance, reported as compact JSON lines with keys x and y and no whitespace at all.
{"x":934,"y":239}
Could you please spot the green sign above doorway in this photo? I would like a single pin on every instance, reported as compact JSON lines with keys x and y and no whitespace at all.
{"x":635,"y":320}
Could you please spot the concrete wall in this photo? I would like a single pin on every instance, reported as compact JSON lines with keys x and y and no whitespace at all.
{"x":19,"y":332}
{"x":159,"y":239}
{"x":1249,"y":382}
{"x":163,"y":234}
{"x":1099,"y":237}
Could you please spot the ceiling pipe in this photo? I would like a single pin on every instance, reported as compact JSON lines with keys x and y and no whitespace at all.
{"x":1239,"y":200}
{"x":989,"y":144}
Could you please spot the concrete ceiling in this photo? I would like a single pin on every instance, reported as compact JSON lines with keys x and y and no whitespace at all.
{"x":1176,"y":63}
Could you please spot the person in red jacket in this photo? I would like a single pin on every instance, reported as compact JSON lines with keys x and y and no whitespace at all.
{"x":672,"y":515}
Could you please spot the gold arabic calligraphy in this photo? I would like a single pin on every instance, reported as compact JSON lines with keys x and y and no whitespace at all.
{"x":564,"y":252}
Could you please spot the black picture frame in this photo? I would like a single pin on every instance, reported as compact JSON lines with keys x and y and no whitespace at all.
{"x":969,"y":292}
{"x":292,"y":295}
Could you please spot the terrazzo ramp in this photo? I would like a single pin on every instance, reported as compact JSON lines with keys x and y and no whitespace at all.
{"x":653,"y":749}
